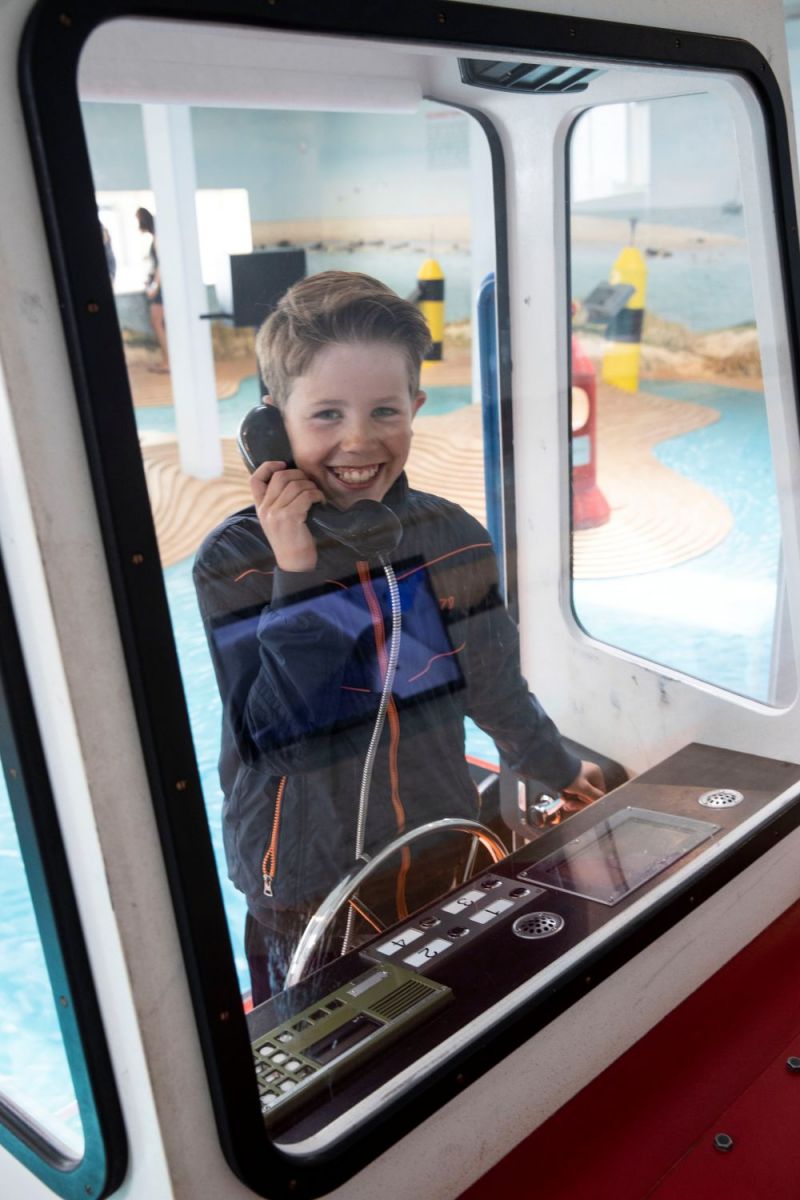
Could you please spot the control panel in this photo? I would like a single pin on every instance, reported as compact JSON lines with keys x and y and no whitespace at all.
{"x":446,"y":971}
{"x":333,"y":1034}
{"x":455,"y":922}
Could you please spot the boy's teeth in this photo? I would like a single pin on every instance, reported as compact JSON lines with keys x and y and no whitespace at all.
{"x":355,"y":474}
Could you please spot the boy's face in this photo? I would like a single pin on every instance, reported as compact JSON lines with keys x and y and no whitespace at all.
{"x":349,"y":420}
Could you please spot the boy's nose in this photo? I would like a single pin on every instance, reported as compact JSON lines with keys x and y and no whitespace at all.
{"x":355,"y":436}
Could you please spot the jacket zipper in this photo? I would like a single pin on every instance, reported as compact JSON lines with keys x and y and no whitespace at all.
{"x":269,"y":863}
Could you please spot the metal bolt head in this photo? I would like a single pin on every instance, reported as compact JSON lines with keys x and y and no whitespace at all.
{"x":723,"y":1141}
{"x":793,"y":1063}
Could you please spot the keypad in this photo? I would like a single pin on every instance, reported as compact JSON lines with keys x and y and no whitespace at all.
{"x":279,"y":1073}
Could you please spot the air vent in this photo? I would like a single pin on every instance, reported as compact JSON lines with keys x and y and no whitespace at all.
{"x":544,"y":79}
{"x":720,"y":798}
{"x":401,"y":1000}
{"x":538,"y":925}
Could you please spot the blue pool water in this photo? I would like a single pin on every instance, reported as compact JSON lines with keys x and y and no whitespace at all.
{"x":33,"y":1066}
{"x":711,"y":617}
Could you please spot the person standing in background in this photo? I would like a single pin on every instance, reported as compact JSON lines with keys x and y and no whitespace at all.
{"x":152,"y":289}
{"x":111,"y":260}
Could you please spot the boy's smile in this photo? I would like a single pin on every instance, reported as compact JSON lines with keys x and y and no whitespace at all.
{"x":349,"y":420}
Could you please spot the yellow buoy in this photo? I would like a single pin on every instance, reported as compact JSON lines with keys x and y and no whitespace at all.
{"x":430,"y":301}
{"x":620,"y":365}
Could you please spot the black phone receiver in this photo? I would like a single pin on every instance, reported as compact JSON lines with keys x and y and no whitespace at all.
{"x":368,"y":528}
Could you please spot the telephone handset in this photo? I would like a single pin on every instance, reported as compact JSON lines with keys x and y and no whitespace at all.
{"x":368,"y":527}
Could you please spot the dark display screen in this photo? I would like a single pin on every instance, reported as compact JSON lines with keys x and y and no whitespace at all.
{"x":617,"y":856}
{"x":344,"y":1038}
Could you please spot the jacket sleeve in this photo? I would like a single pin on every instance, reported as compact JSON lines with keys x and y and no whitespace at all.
{"x":280,"y":654}
{"x":498,"y":698}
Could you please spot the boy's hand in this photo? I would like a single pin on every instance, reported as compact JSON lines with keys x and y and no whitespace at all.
{"x":283,"y":498}
{"x":587,"y":786}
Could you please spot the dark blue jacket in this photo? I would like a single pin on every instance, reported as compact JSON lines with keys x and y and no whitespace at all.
{"x":298,"y":659}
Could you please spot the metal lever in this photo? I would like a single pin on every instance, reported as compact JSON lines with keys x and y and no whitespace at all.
{"x":545,"y":811}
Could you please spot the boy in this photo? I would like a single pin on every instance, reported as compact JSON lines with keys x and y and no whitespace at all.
{"x":298,"y":631}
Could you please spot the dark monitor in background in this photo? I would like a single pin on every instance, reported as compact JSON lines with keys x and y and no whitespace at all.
{"x":259,"y":280}
{"x":606,"y":301}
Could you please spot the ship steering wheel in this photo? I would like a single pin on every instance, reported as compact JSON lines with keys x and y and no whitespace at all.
{"x":347,"y":887}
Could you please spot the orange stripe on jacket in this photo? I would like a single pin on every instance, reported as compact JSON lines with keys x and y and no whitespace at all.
{"x":449,"y":554}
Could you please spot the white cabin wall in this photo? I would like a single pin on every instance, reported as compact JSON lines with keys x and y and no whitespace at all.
{"x":67,"y":623}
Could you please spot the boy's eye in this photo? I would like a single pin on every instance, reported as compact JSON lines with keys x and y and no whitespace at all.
{"x":385,"y":410}
{"x":327,"y":414}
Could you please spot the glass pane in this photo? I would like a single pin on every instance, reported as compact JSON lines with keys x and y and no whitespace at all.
{"x":329,"y":158}
{"x":34,"y":1073}
{"x":676,"y":535}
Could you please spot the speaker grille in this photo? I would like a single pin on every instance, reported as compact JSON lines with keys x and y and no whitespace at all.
{"x":401,"y":999}
{"x":538,"y":925}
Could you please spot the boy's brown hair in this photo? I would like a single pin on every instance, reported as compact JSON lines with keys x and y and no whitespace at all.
{"x":336,"y":307}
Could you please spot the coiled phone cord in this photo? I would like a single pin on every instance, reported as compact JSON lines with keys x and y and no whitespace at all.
{"x":369,"y":761}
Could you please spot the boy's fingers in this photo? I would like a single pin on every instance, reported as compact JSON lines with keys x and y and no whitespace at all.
{"x":260,"y":478}
{"x":285,"y":488}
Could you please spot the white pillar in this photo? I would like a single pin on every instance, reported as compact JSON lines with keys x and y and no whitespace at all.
{"x":170,"y":159}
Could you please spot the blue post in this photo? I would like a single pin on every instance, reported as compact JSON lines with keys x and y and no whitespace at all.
{"x":490,"y":403}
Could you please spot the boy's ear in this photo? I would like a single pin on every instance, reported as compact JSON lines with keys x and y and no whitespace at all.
{"x":417,"y":402}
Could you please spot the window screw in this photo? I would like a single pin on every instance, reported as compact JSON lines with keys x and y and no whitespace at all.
{"x":793,"y":1064}
{"x":225,"y":1015}
{"x":441,"y":17}
{"x":181,"y":785}
{"x":573,"y":31}
{"x":64,"y":19}
{"x":137,"y":559}
{"x":723,"y":1142}
{"x":678,"y":42}
{"x":62,"y":1000}
{"x":93,"y":307}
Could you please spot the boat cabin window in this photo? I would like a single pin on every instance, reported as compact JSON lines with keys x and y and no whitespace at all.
{"x":676,"y":407}
{"x":296,"y":194}
{"x":57,"y":1116}
{"x":336,"y":537}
